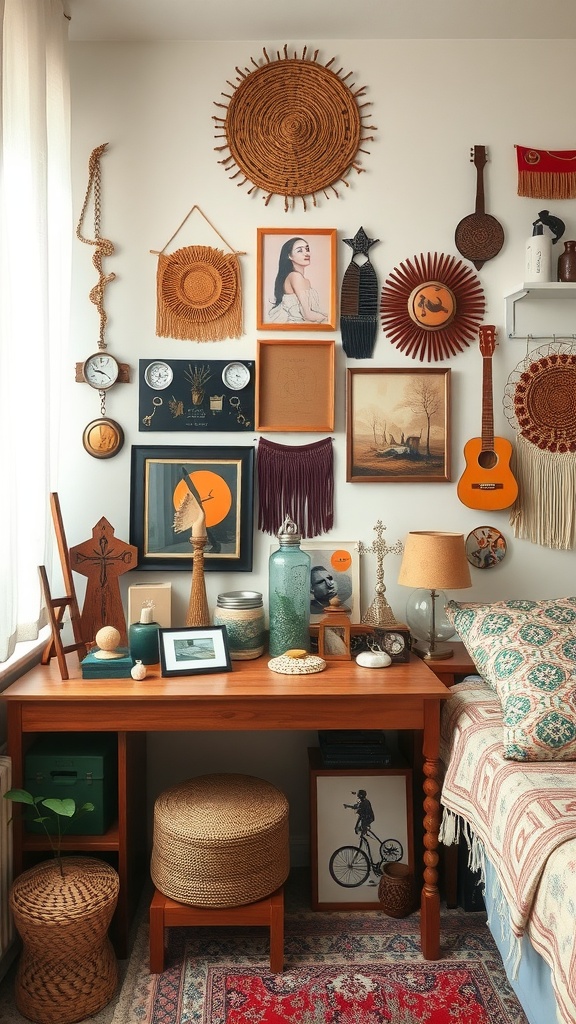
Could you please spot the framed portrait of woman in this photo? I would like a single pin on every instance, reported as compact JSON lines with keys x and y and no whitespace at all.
{"x":296,"y":280}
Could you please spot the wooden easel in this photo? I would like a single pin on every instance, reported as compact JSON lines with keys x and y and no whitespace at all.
{"x":56,"y":606}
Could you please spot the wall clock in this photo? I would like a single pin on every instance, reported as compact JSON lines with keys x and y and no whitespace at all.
{"x":101,"y":371}
{"x":158,"y":375}
{"x":236,"y":376}
{"x":432,"y":307}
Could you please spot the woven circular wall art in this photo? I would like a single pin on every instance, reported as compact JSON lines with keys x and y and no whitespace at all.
{"x":198,"y":294}
{"x":432,"y":307}
{"x":293,"y":127}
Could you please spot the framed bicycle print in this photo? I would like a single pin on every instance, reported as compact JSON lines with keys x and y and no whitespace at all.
{"x":360,"y":818}
{"x":222,"y":479}
{"x":296,"y":279}
{"x":398,"y":425}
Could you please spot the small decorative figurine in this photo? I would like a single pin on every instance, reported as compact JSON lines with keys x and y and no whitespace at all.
{"x":107,"y":640}
{"x":138,"y":671}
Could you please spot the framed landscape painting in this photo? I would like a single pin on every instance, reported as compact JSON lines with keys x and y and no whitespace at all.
{"x":398,"y":425}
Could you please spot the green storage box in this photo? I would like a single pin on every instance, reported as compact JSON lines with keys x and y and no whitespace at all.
{"x":82,"y":766}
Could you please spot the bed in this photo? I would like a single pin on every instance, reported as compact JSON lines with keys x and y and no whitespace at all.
{"x":508,"y":746}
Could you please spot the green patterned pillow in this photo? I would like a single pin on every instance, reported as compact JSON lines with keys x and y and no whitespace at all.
{"x":526,"y":651}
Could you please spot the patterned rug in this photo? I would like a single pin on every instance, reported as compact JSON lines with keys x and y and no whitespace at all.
{"x":339,"y":968}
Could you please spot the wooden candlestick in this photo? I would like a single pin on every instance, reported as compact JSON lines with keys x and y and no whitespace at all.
{"x":198,"y":614}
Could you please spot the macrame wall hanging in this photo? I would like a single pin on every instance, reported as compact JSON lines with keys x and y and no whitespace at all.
{"x":198,"y":291}
{"x":546,"y":173}
{"x":293,"y":127}
{"x":540,"y":403}
{"x":297,"y":481}
{"x":359,"y":299}
{"x":432,"y":307}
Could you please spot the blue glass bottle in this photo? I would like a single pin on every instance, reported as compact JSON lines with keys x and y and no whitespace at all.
{"x":289,"y":593}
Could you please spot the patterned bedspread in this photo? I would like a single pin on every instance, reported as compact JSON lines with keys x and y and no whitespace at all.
{"x":524,"y":815}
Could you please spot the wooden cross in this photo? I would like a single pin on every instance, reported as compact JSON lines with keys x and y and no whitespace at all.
{"x":103,"y":559}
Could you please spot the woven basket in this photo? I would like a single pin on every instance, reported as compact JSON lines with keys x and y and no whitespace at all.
{"x":220,"y":841}
{"x":396,"y":890}
{"x":68,"y":969}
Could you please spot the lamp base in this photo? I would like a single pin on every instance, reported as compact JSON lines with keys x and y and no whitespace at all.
{"x":440,"y":653}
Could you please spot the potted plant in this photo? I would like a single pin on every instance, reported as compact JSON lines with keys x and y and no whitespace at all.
{"x":62,"y":908}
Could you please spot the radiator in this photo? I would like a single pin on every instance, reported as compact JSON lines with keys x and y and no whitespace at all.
{"x":6,"y":923}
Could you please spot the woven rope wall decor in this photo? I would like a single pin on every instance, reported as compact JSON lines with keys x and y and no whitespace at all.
{"x":199,"y":296}
{"x":293,"y":127}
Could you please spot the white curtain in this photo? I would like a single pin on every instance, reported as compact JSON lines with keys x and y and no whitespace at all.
{"x":35,"y":253}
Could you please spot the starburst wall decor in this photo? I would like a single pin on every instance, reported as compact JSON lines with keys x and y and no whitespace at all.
{"x":432,"y":308}
{"x":293,"y":127}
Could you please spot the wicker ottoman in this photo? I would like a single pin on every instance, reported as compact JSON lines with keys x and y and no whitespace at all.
{"x":220,"y":855}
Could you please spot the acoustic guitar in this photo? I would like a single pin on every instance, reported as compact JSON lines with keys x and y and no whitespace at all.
{"x":487,"y":482}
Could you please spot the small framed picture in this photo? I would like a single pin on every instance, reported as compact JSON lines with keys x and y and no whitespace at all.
{"x":398,"y":426}
{"x":194,"y":650}
{"x":360,"y":819}
{"x":296,"y":279}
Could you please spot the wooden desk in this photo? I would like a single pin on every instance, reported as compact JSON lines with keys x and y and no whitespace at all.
{"x":344,"y":696}
{"x":452,"y":670}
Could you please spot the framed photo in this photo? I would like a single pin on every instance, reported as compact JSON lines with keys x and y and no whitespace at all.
{"x":398,"y":426}
{"x":335,"y":572}
{"x":361,"y":818}
{"x":194,"y":650}
{"x":223,"y":479}
{"x":296,"y":279}
{"x":295,"y":385}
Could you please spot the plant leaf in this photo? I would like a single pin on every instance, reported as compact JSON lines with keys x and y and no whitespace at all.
{"x":21,"y":796}
{"x":87,"y":807}
{"x":65,"y":808}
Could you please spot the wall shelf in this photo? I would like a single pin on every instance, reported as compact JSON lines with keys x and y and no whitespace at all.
{"x":548,"y":290}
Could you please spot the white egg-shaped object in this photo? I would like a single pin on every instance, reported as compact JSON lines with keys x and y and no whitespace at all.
{"x":373,"y":659}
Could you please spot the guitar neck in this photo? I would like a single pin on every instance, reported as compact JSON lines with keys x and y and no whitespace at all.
{"x":487,"y":405}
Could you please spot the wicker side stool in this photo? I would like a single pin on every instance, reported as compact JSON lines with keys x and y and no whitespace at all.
{"x":220,"y":856}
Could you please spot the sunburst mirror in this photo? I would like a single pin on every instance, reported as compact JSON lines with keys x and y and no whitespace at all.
{"x":431,"y":307}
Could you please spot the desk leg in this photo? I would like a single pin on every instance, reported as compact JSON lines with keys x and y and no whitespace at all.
{"x":430,"y":903}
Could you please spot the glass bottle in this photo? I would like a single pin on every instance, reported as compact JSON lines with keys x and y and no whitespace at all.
{"x":289,"y":592}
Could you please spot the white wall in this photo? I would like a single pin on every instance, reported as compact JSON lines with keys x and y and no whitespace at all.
{"x":431,"y":102}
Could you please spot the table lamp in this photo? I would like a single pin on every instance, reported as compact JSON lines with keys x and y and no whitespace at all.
{"x":432,"y":562}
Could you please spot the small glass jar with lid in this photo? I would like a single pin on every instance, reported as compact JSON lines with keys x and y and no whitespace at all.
{"x":242,"y":613}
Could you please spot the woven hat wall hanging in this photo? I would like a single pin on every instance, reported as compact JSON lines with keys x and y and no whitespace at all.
{"x":198,"y":291}
{"x":432,"y":308}
{"x":293,"y":128}
{"x":546,"y":173}
{"x":297,"y":481}
{"x":359,"y":299}
{"x":540,"y":403}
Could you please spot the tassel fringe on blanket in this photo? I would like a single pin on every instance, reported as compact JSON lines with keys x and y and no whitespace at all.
{"x":297,"y":481}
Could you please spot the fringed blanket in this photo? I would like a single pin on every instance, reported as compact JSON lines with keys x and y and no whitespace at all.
{"x":523,"y":816}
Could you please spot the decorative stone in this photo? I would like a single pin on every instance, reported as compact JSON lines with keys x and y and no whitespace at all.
{"x":373,"y":659}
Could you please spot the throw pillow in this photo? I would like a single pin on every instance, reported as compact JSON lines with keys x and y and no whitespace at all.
{"x":526,"y":651}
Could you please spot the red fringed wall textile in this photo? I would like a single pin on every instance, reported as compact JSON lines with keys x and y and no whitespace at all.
{"x":546,"y":173}
{"x":297,"y":481}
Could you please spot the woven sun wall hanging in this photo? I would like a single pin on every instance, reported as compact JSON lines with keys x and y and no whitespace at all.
{"x":293,"y":127}
{"x":198,"y":291}
{"x":359,"y":299}
{"x":546,"y":173}
{"x":432,"y":307}
{"x":540,"y":403}
{"x":298,"y":481}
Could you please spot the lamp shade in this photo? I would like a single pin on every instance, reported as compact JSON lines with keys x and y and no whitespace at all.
{"x":436,"y":561}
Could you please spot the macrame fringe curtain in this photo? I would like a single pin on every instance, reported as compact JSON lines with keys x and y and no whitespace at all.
{"x":545,"y":173}
{"x":545,"y":510}
{"x":297,"y":481}
{"x":359,"y":310}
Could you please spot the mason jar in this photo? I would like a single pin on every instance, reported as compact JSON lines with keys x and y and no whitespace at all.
{"x":242,"y":613}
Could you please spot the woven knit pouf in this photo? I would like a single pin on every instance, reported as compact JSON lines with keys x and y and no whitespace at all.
{"x":220,"y":840}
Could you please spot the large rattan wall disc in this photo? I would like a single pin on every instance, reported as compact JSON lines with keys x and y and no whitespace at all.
{"x":293,"y":128}
{"x":432,"y":307}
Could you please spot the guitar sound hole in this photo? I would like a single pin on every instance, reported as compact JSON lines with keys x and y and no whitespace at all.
{"x":487,"y":460}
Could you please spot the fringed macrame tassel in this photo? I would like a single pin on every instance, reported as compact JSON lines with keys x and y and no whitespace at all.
{"x":297,"y":481}
{"x":545,"y":509}
{"x":359,"y":335}
{"x":195,"y":323}
{"x":546,"y":185}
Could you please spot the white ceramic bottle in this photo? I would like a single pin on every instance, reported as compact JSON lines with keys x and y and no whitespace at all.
{"x":538,"y":264}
